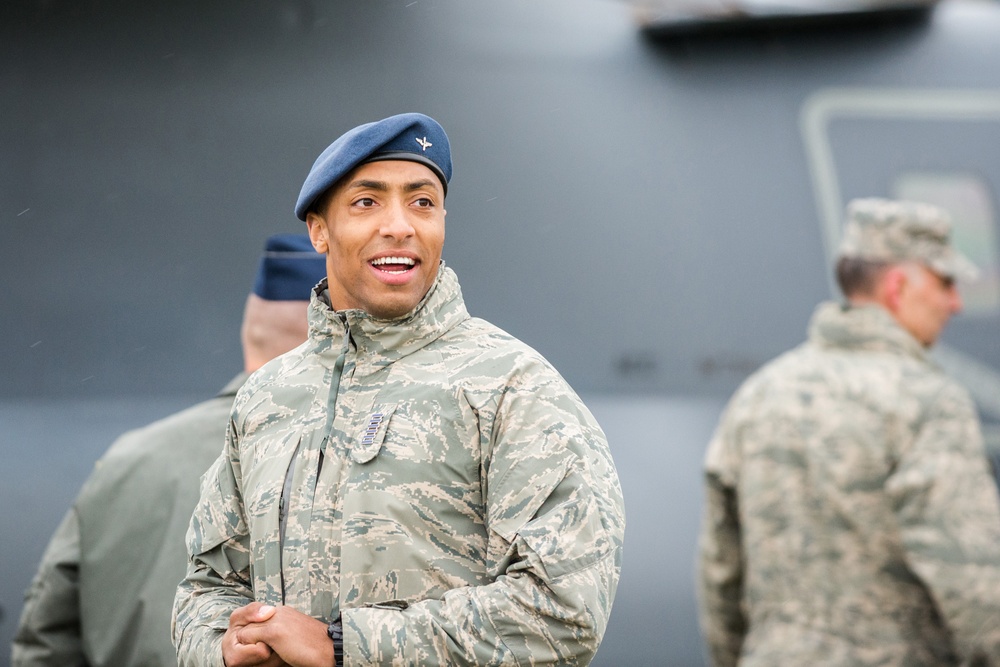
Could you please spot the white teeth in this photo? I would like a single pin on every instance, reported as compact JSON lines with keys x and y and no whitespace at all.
{"x":393,"y":260}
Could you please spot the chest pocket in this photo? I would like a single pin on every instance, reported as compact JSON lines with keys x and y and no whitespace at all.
{"x":434,"y":444}
{"x":403,"y":431}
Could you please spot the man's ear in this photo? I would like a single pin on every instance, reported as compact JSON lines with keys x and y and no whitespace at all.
{"x":317,"y":232}
{"x":894,"y":283}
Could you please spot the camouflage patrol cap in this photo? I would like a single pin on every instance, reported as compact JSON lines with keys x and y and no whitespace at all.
{"x":886,"y":230}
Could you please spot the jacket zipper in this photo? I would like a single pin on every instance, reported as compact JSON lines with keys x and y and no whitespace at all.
{"x":284,"y":501}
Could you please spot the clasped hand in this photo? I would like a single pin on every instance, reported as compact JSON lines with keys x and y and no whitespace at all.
{"x":273,"y":636}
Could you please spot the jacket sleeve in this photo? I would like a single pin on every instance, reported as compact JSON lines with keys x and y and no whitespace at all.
{"x":720,"y":561}
{"x":948,"y":510}
{"x":555,"y":520}
{"x":49,"y":631}
{"x":218,"y":577}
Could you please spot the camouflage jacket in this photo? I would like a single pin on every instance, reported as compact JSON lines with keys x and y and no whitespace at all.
{"x":104,"y":591}
{"x":431,"y":479}
{"x":851,"y":517}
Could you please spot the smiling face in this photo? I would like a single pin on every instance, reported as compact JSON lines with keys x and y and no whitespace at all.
{"x":382,"y":230}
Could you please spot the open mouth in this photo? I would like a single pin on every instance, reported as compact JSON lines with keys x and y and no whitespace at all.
{"x":394,"y":265}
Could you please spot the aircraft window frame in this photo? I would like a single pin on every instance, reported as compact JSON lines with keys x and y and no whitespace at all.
{"x":825,"y":106}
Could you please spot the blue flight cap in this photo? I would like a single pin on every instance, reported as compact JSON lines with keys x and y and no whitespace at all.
{"x":289,"y":268}
{"x":408,"y":136}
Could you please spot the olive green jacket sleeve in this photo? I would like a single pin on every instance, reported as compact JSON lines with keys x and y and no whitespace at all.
{"x":49,"y":630}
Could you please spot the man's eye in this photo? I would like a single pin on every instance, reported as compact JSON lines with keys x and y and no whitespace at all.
{"x":424,"y":202}
{"x":365,"y":202}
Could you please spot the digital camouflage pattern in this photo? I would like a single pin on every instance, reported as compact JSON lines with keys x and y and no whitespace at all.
{"x":104,"y":590}
{"x":885,"y":230}
{"x":432,"y":479}
{"x":851,"y":518}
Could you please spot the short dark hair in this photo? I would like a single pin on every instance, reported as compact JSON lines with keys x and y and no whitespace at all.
{"x":322,"y":201}
{"x":858,"y":277}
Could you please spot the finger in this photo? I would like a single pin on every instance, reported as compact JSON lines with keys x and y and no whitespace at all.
{"x":254,"y":633}
{"x":263,"y":613}
{"x":245,"y":614}
{"x":237,"y":654}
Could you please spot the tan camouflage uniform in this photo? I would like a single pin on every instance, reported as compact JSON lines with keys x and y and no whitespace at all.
{"x":851,"y":518}
{"x":445,"y":491}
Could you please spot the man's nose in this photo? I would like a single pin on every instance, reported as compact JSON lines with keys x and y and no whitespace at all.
{"x":396,"y":223}
{"x":956,"y":301}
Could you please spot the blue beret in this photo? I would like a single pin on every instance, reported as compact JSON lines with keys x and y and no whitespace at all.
{"x":289,"y":268}
{"x":408,"y":136}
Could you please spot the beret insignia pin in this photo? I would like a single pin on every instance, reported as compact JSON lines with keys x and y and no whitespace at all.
{"x":424,"y":144}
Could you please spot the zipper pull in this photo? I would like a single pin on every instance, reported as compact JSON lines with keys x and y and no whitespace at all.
{"x":394,"y":605}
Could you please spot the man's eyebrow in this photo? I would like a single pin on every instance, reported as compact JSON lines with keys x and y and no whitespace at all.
{"x":416,"y":185}
{"x":381,"y":186}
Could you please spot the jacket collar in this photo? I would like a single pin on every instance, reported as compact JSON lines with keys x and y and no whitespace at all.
{"x":870,"y":328}
{"x":383,"y":341}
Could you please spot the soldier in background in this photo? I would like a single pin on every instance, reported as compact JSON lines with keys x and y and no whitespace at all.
{"x":103,"y":592}
{"x":851,"y":518}
{"x":413,"y":486}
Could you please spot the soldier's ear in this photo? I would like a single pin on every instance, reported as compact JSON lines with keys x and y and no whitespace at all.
{"x":894,"y":283}
{"x":317,"y":232}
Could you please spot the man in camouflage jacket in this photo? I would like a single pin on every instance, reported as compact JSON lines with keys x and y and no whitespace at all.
{"x":851,"y":517}
{"x":412,"y":483}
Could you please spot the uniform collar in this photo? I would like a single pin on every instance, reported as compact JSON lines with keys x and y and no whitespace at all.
{"x":441,"y":309}
{"x":870,"y":328}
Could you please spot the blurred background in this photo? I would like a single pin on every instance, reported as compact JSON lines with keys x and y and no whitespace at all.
{"x":648,"y":193}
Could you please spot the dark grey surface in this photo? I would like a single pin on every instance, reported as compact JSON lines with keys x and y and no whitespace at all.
{"x":647,"y":201}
